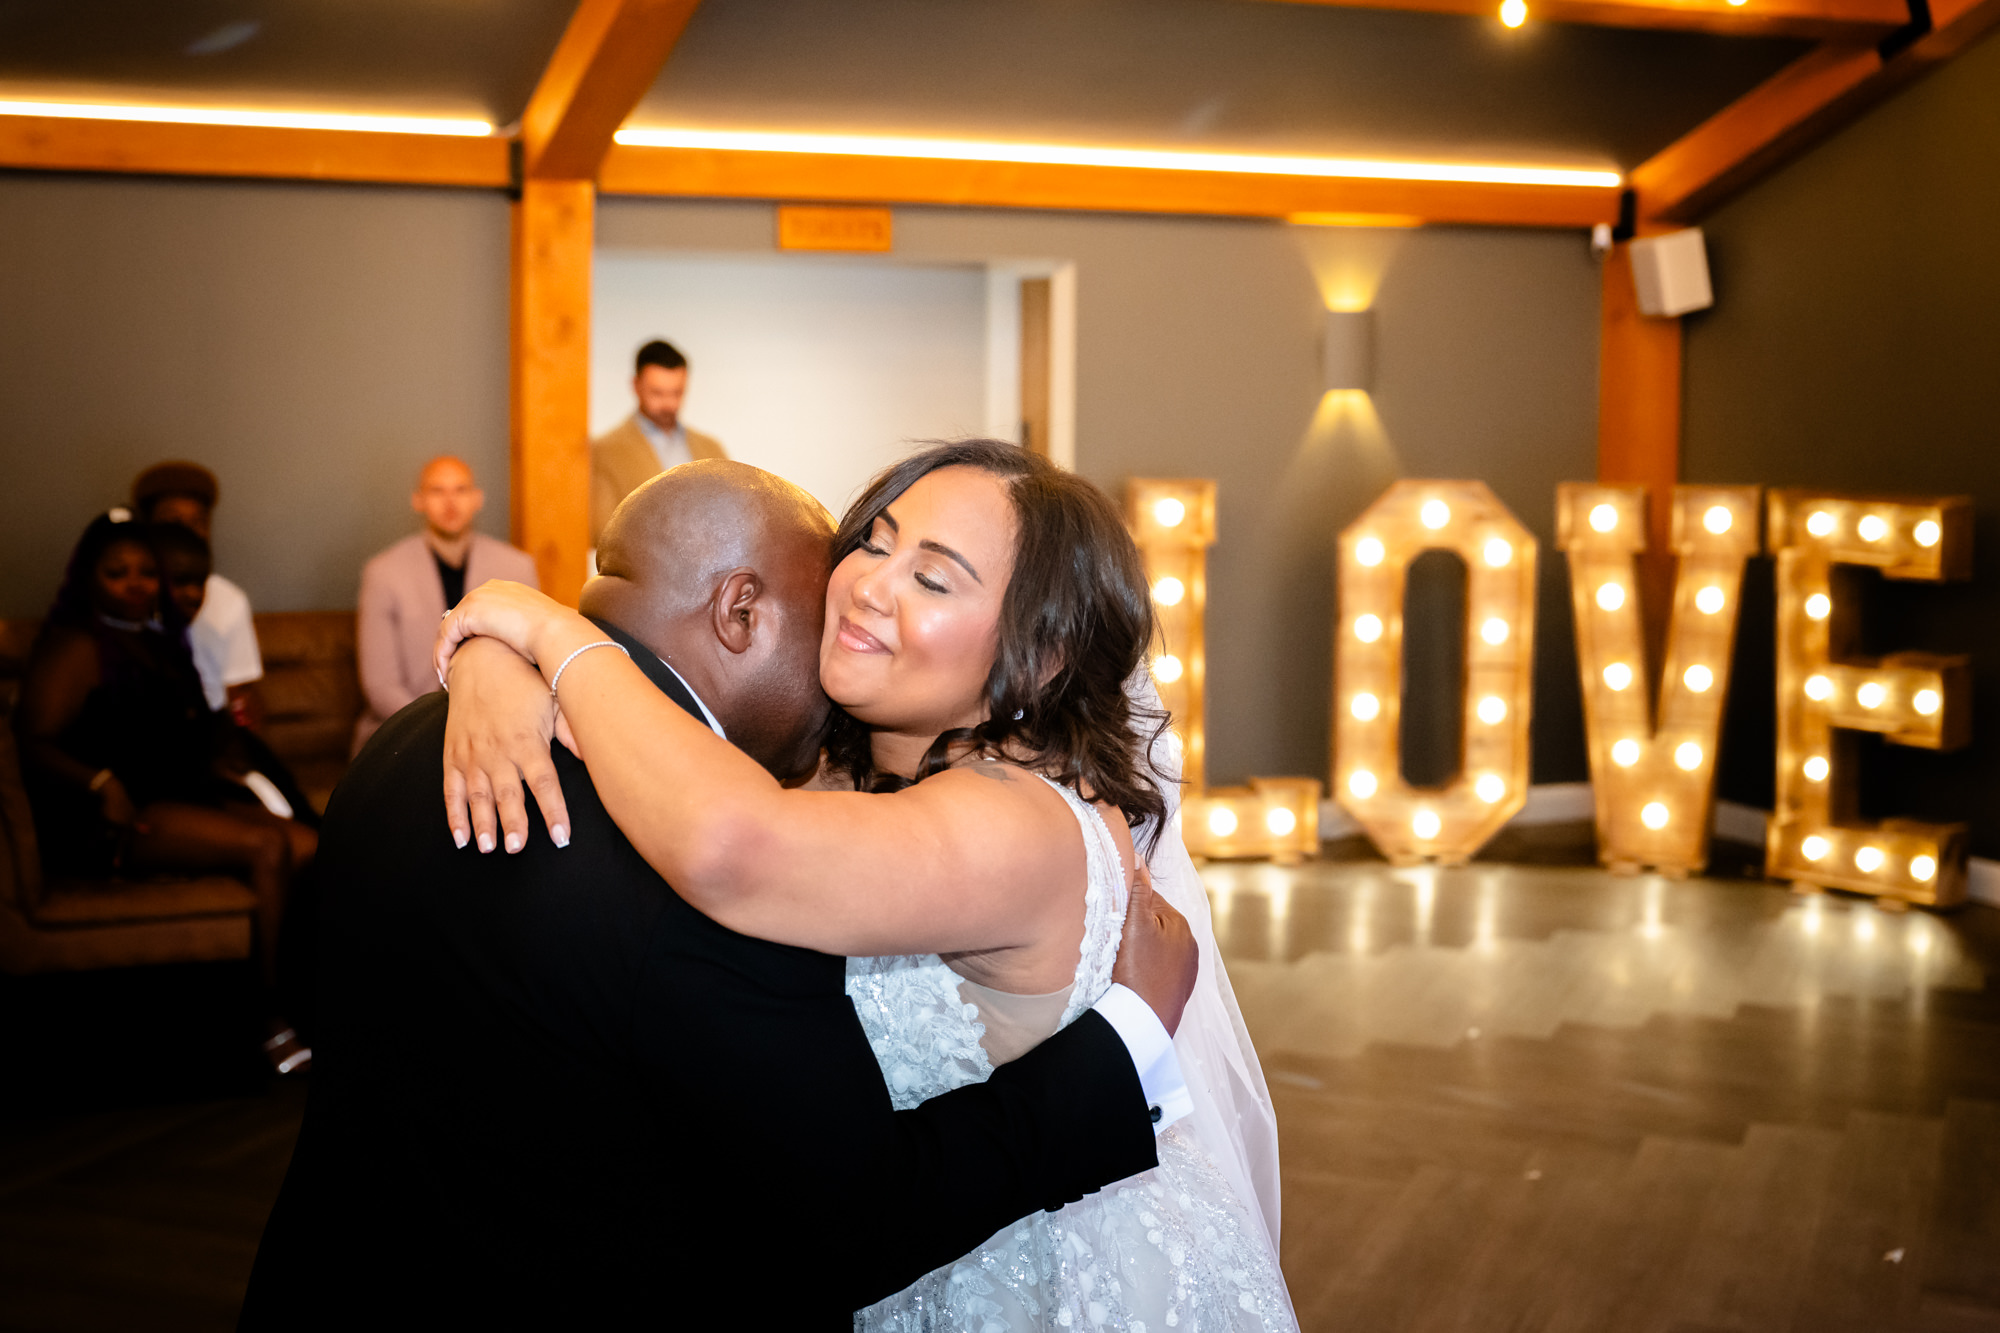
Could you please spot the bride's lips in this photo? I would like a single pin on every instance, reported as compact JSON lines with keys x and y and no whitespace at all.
{"x":857,"y":640}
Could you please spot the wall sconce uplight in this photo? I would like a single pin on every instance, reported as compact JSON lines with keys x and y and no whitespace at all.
{"x":1347,"y":358}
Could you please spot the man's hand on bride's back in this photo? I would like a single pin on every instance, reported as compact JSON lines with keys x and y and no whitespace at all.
{"x":496,"y":740}
{"x":1157,"y":958}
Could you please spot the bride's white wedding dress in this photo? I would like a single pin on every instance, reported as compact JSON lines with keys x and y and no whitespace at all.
{"x":1174,"y":1248}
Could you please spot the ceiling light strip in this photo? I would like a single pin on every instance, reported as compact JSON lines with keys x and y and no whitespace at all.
{"x":963,"y":150}
{"x":282,"y":120}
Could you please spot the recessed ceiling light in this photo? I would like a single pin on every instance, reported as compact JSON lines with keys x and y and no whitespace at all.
{"x":281,"y":120}
{"x":968,"y":150}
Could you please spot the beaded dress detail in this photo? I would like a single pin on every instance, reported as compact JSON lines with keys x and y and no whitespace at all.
{"x":1171,"y":1248}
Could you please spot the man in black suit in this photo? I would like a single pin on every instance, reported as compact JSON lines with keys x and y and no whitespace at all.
{"x":549,"y":1092}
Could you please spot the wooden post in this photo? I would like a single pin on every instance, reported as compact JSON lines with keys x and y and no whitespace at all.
{"x":1035,"y":349}
{"x":550,"y":380}
{"x":1639,"y":427}
{"x":608,"y":56}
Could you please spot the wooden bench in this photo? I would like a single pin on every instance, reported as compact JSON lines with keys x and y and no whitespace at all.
{"x":311,"y":697}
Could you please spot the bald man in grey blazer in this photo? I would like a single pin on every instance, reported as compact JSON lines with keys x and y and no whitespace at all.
{"x":407,"y":589}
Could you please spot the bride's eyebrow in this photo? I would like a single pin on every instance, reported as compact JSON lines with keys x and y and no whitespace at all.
{"x":939,"y":547}
{"x":948,"y":553}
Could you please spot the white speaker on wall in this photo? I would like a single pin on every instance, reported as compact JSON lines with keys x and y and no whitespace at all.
{"x":1671,"y":273}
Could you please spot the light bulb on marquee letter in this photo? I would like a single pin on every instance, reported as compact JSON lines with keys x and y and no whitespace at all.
{"x":1173,"y":524}
{"x":1655,"y":786}
{"x":1827,"y":692}
{"x":1451,"y":823}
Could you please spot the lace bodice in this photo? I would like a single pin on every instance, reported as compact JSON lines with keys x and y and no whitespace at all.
{"x":926,"y":1036}
{"x":1169,"y":1251}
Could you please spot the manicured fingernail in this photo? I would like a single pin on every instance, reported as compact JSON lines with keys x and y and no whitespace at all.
{"x":458,"y":838}
{"x":486,"y":842}
{"x":513,"y":842}
{"x":559,"y":835}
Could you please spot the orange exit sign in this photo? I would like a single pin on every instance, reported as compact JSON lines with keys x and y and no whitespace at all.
{"x":810,"y":227}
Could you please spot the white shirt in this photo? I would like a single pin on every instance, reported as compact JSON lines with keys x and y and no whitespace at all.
{"x":699,"y":702}
{"x":1145,"y":1036}
{"x":669,"y":446}
{"x":224,"y":641}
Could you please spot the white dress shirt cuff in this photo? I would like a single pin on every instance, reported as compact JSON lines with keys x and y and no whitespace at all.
{"x":1152,"y":1050}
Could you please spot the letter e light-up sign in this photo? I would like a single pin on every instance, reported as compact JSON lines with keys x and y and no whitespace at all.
{"x":1654,"y":785}
{"x":1173,"y":525}
{"x":1450,"y":823}
{"x":1826,"y":692}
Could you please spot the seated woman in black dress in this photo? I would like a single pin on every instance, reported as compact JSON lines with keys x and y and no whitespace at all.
{"x":126,"y":768}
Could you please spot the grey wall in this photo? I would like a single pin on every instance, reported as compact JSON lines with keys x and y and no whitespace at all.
{"x":310,"y":344}
{"x":1855,"y":343}
{"x":1198,"y":356}
{"x":313,"y":344}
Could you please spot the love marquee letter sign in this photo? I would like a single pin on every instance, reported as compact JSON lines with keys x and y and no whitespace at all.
{"x":1654,"y":783}
{"x":1450,"y":823}
{"x":1826,"y":693}
{"x":1653,"y":770}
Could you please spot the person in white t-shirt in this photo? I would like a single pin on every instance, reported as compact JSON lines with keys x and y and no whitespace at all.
{"x":223,"y":637}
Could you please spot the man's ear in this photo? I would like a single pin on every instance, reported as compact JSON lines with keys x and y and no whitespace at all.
{"x":735,"y":607}
{"x":478,"y":499}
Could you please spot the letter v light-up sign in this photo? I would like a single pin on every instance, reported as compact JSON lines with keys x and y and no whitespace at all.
{"x":1449,"y":823}
{"x":1654,"y":785}
{"x":1826,"y":693}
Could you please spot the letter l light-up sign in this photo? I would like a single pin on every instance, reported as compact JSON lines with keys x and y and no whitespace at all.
{"x":1173,"y":525}
{"x":1826,"y":693}
{"x":1654,"y":785}
{"x":1448,"y":824}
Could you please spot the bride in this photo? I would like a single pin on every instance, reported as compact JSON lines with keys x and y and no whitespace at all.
{"x":995,"y":770}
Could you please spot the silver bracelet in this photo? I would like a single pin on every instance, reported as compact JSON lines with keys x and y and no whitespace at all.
{"x":556,"y":679}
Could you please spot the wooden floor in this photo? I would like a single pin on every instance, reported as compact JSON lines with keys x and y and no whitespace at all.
{"x":1541,"y":1098}
{"x":1512,"y":1097}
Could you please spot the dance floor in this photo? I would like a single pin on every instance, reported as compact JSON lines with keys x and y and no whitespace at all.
{"x":1512,"y":1097}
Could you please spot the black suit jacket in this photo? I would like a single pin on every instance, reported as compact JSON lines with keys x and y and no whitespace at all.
{"x":547,"y":1090}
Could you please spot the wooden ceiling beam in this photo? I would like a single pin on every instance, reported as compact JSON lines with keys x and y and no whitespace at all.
{"x":608,"y":57}
{"x":834,"y":178}
{"x":1753,"y":135}
{"x":1809,"y":20}
{"x":1819,"y":93}
{"x":51,"y":143}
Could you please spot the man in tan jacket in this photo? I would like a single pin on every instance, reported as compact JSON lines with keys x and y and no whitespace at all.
{"x":649,"y":441}
{"x":407,"y":588}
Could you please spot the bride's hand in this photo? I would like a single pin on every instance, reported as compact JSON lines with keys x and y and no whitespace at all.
{"x":496,"y":739}
{"x":513,"y":613}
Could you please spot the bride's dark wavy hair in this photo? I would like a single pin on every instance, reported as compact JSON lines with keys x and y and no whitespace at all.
{"x":1077,"y":614}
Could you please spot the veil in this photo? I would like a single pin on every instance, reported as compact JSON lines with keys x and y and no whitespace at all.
{"x":1233,"y":1117}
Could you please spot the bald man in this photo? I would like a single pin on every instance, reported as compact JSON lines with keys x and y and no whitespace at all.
{"x":406,"y":590}
{"x":547,"y":1093}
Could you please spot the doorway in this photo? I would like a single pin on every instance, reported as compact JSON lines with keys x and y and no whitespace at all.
{"x":824,"y":369}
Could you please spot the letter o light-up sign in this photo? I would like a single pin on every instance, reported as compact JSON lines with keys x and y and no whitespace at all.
{"x":1655,"y":785}
{"x":1825,"y":690}
{"x":1447,"y":824}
